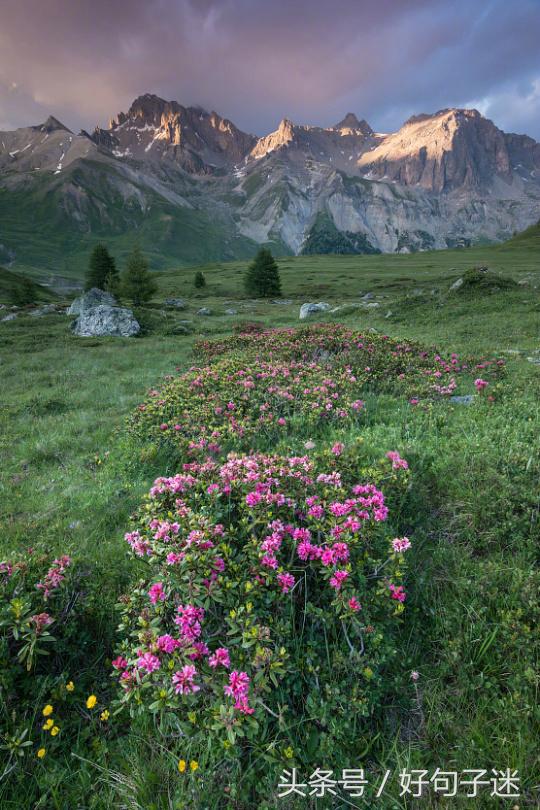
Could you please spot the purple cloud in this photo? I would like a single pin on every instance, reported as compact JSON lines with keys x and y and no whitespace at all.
{"x":256,"y":61}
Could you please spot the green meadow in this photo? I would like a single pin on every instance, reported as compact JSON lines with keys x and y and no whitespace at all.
{"x":71,"y":477}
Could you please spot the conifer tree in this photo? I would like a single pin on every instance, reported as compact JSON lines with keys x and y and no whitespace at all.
{"x":262,"y":277}
{"x":137,"y":282}
{"x":199,"y":280}
{"x":101,"y":269}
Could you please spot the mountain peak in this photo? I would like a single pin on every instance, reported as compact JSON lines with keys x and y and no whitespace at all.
{"x":350,"y":125}
{"x":52,"y":124}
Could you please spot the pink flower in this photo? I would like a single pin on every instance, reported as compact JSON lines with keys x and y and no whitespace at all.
{"x":415,"y":675}
{"x":253,"y":498}
{"x":357,"y":405}
{"x":243,"y":706}
{"x":398,"y":592}
{"x":220,"y":658}
{"x":354,"y":604}
{"x":189,"y":621}
{"x":401,"y":544}
{"x":327,"y":557}
{"x":148,"y":662}
{"x":337,"y":580}
{"x":286,"y":581}
{"x":238,"y":685}
{"x":480,"y":384}
{"x":269,"y":561}
{"x":200,"y":649}
{"x":338,"y":448}
{"x":397,"y":461}
{"x":41,"y":620}
{"x":156,"y":593}
{"x":167,"y":643}
{"x":184,"y":680}
{"x":164,"y":426}
{"x":119,"y":663}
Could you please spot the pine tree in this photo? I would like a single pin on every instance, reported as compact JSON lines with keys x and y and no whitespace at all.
{"x":101,"y":268}
{"x":262,"y":277}
{"x":199,"y":280}
{"x":137,"y":282}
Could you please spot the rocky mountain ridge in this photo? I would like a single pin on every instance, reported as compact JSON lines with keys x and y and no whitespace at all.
{"x":441,"y":180}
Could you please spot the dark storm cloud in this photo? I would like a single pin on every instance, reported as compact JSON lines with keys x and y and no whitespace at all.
{"x":256,"y":62}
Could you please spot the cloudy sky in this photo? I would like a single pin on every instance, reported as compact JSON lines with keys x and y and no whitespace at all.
{"x":257,"y":61}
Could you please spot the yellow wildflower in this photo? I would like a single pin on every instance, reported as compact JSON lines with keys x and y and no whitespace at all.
{"x":48,"y":724}
{"x":91,"y":701}
{"x":41,"y":753}
{"x":104,"y":715}
{"x":193,"y":764}
{"x":54,"y":731}
{"x":70,"y":686}
{"x":47,"y":710}
{"x":181,"y":765}
{"x":289,"y":753}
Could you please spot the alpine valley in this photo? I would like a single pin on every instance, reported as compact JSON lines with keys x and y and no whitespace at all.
{"x":194,"y":188}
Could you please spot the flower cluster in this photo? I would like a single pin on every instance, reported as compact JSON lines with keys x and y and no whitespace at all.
{"x":237,"y":553}
{"x":286,"y":380}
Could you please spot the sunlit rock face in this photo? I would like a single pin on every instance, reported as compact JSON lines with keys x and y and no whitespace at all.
{"x":447,"y":179}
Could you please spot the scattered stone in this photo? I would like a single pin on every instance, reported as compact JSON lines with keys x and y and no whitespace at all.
{"x":389,"y":314}
{"x":75,"y":524}
{"x":2,"y":306}
{"x":368,"y":296}
{"x":457,"y":284}
{"x":204,"y":311}
{"x":10,"y":317}
{"x":105,"y":320}
{"x":347,"y":307}
{"x":231,"y":312}
{"x":283,"y":301}
{"x":372,"y":305}
{"x":180,"y":329}
{"x":463,"y":400}
{"x":306,"y":310}
{"x":93,"y":298}
{"x":48,"y":309}
{"x":535,"y":360}
{"x":177,"y":303}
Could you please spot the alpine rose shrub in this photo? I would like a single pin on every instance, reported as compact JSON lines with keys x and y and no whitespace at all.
{"x":274,"y":590}
{"x":287,"y":380}
{"x":35,"y":589}
{"x":223,"y":406}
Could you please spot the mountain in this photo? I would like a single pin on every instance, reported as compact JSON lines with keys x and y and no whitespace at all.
{"x":192,"y":187}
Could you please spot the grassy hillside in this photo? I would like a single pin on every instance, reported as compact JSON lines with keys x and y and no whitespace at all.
{"x":70,"y":479}
{"x":12,"y":283}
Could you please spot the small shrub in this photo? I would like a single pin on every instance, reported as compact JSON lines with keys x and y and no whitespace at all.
{"x":270,"y":606}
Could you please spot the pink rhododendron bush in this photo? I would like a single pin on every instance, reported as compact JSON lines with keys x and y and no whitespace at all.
{"x":226,"y":405}
{"x":285,"y":381}
{"x":272,"y":597}
{"x":35,"y":595}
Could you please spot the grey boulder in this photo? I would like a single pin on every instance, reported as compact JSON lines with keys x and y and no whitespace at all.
{"x":48,"y":309}
{"x":105,"y":320}
{"x":307,"y":310}
{"x":177,"y":303}
{"x":204,"y":311}
{"x":90,"y":299}
{"x":466,"y":399}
